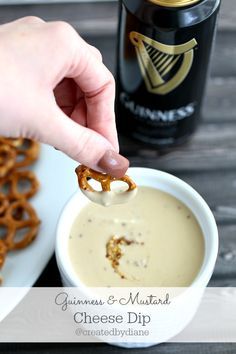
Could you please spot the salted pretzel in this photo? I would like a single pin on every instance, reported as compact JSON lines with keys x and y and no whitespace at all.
{"x":27,"y":152}
{"x":29,"y":221}
{"x":19,"y":222}
{"x":3,"y":252}
{"x":15,"y":142}
{"x":7,"y":159}
{"x":84,"y":173}
{"x":11,"y":185}
{"x":4,"y":204}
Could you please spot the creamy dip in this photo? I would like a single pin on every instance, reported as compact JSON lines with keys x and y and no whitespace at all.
{"x":110,"y":198}
{"x":160,"y":242}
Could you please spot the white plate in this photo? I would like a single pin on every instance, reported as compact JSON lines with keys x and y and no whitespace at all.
{"x":55,"y":172}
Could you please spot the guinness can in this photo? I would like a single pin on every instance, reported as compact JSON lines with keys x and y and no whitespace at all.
{"x":163,"y":54}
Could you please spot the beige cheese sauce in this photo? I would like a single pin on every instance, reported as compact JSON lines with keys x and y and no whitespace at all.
{"x":168,"y":248}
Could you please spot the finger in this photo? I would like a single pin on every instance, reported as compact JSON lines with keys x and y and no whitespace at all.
{"x":92,"y":77}
{"x":28,"y":20}
{"x":95,"y":51}
{"x":83,"y":144}
{"x":66,"y":95}
{"x":71,"y":100}
{"x":79,"y":114}
{"x":98,"y":85}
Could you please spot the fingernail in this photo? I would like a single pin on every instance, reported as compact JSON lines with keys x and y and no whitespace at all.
{"x":113,"y":164}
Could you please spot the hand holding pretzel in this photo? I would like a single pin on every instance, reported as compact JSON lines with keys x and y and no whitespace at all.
{"x":69,"y":106}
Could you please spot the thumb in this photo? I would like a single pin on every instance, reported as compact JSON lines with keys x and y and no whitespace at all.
{"x":83,"y":145}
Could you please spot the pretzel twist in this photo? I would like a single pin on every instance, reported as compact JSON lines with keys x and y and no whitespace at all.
{"x":14,"y":142}
{"x":19,"y":222}
{"x":13,"y":223}
{"x":4,"y":204}
{"x":27,"y":153}
{"x":7,"y":159}
{"x":11,"y":185}
{"x":84,"y":173}
{"x":3,"y":253}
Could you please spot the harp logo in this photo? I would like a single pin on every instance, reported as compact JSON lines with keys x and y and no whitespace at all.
{"x":164,"y":67}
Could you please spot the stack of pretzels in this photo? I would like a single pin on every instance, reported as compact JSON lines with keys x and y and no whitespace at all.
{"x":19,"y":222}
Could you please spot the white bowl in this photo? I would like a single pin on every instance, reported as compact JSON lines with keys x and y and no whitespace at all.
{"x":186,"y":194}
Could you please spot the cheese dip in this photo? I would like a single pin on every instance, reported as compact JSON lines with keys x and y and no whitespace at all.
{"x":153,"y":240}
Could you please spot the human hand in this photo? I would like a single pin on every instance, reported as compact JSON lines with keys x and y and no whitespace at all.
{"x":55,"y":89}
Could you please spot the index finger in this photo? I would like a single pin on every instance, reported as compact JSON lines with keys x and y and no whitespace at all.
{"x":98,"y":86}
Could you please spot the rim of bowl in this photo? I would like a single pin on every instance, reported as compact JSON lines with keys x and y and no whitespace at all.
{"x":62,"y":255}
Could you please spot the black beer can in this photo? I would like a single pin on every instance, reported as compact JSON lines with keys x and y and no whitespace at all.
{"x":163,"y":56}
